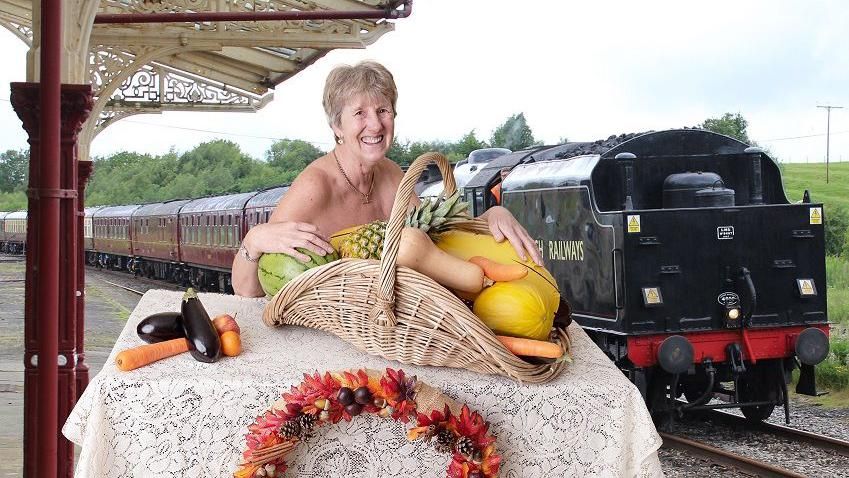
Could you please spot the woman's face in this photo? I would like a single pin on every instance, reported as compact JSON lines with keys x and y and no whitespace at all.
{"x":366,"y":126}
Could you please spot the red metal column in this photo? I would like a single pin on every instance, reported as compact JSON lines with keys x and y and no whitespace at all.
{"x":77,"y":101}
{"x":47,"y":280}
{"x":25,"y":99}
{"x":76,"y":104}
{"x":84,"y":169}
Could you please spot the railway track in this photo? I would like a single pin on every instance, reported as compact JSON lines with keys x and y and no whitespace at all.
{"x":745,"y":463}
{"x":820,"y":441}
{"x":129,"y":289}
{"x":725,"y":457}
{"x":119,"y":279}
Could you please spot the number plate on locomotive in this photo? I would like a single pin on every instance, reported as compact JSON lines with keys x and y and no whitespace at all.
{"x":725,"y":232}
{"x":728,"y":299}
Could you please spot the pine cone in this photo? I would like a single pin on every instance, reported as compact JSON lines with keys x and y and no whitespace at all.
{"x":444,"y":441}
{"x":465,"y":446}
{"x":306,"y":421}
{"x":291,"y":429}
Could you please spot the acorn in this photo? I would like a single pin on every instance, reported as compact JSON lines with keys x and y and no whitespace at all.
{"x":379,"y":402}
{"x":345,"y":396}
{"x":362,"y":395}
{"x":354,"y":409}
{"x":324,"y":415}
{"x":322,"y":404}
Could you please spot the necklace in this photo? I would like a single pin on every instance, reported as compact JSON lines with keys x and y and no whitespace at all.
{"x":366,"y":196}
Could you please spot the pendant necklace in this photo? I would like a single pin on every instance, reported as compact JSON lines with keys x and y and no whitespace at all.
{"x":366,"y":196}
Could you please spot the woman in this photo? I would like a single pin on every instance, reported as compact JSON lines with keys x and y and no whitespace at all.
{"x":354,"y":184}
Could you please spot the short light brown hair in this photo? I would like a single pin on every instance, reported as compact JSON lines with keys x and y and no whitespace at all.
{"x":345,"y":81}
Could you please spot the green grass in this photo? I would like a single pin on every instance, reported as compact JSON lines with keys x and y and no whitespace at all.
{"x":833,"y":374}
{"x":798,"y":177}
{"x":837,"y":279}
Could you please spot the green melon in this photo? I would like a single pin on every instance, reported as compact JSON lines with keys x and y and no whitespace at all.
{"x":277,"y":269}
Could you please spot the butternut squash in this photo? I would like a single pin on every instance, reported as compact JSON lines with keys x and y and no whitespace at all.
{"x":418,"y":252}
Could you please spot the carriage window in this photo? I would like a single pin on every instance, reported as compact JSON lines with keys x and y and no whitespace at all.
{"x":221,"y":230}
{"x":229,"y":229}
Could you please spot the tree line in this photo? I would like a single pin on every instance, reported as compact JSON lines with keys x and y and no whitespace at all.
{"x":221,"y":167}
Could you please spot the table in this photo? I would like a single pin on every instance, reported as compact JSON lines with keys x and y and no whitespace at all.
{"x":180,"y":417}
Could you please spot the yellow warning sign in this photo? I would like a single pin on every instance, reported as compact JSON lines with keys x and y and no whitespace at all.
{"x":634,"y":223}
{"x":816,"y":215}
{"x":806,"y":286}
{"x":652,"y":296}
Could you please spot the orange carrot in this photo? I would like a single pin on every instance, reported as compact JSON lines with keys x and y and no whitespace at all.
{"x":531,"y":348}
{"x":499,"y":272}
{"x":142,"y":355}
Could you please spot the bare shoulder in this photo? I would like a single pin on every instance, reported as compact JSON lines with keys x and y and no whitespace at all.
{"x":392,"y":170}
{"x":308,"y":192}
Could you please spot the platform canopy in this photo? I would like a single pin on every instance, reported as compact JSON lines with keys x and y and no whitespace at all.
{"x":138,"y":68}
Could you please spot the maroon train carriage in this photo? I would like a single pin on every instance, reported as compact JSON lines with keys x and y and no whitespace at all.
{"x":3,"y":215}
{"x":112,"y":236}
{"x":211,"y":230}
{"x":88,"y":235}
{"x":259,"y":208}
{"x":15,"y":232}
{"x":156,"y":245}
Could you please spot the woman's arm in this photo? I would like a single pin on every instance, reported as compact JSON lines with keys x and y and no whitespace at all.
{"x":503,"y":225}
{"x":288,"y":228}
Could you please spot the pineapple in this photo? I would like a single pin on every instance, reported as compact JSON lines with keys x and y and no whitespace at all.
{"x":432,"y":217}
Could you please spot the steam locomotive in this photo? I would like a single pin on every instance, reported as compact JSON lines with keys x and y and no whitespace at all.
{"x":677,"y":250}
{"x":682,"y":258}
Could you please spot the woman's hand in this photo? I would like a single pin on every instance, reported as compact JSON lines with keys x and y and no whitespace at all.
{"x":503,"y":225}
{"x":285,"y":237}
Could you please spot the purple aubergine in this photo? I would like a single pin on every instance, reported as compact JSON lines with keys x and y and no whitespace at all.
{"x":204,"y":344}
{"x":161,"y":327}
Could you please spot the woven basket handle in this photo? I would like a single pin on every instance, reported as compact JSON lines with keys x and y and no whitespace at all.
{"x":383,"y":313}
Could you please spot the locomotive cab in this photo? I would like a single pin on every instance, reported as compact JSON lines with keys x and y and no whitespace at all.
{"x":681,"y":255}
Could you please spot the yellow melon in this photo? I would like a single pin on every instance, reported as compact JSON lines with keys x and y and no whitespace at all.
{"x":530,"y":302}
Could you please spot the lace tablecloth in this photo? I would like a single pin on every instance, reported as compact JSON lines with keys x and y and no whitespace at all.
{"x":180,"y":417}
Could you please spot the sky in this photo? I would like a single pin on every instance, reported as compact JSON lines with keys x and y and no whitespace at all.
{"x":580,"y":70}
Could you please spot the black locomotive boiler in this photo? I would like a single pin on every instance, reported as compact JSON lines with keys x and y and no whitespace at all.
{"x":682,"y":257}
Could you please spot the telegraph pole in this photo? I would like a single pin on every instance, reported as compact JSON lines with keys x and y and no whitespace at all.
{"x":828,"y":108}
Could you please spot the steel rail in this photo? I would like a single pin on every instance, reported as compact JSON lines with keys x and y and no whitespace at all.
{"x":815,"y":439}
{"x":113,"y":284}
{"x":725,"y":457}
{"x":159,"y":284}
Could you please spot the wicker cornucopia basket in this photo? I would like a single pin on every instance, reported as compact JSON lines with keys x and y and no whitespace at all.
{"x":398,"y":313}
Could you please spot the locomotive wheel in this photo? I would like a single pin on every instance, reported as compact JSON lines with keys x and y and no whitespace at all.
{"x":759,"y":385}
